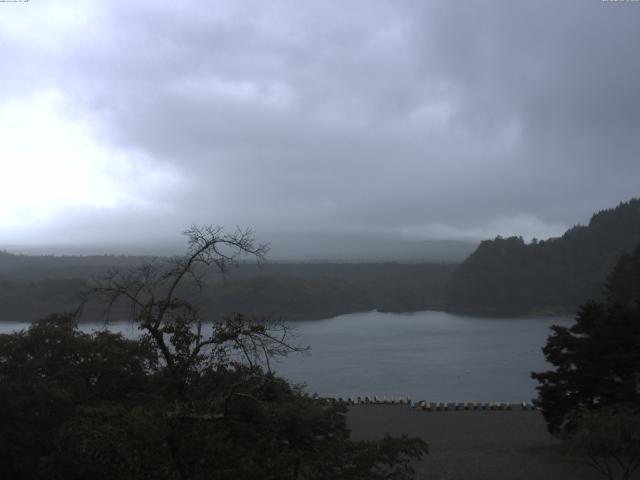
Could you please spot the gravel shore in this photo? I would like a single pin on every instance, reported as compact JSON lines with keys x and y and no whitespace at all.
{"x":474,"y":445}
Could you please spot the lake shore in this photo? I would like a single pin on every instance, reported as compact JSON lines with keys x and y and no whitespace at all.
{"x":473,"y":445}
{"x":424,"y":355}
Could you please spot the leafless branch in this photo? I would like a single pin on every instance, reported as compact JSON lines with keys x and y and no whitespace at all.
{"x":154,"y":292}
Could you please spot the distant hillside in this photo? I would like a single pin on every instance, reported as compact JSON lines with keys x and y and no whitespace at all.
{"x":34,"y":286}
{"x":42,"y":265}
{"x":506,"y":275}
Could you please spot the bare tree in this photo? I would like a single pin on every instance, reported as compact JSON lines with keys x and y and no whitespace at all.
{"x":160,"y":293}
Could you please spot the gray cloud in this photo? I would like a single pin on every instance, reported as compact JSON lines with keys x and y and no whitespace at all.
{"x":429,"y":119}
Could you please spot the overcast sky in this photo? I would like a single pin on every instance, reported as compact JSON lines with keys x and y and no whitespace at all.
{"x":126,"y":121}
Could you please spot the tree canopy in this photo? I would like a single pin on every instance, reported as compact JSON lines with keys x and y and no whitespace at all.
{"x":596,"y":360}
{"x":511,"y":276}
{"x":189,"y":399}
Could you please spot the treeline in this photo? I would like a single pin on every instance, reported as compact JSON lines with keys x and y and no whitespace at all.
{"x":508,"y":275}
{"x":37,"y":267}
{"x":32,"y":287}
{"x":290,"y":291}
{"x":504,"y":276}
{"x":299,"y":291}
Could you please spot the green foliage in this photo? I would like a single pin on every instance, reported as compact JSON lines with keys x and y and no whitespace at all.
{"x":597,"y":360}
{"x":290,"y":296}
{"x":77,"y":406}
{"x":189,"y":400}
{"x":506,"y":275}
{"x":51,"y":369}
{"x":26,"y":300}
{"x":291,"y":291}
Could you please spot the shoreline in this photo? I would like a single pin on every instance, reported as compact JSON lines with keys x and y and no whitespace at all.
{"x":328,"y":315}
{"x":473,"y":445}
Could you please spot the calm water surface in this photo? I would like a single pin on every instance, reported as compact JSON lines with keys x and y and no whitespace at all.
{"x":429,"y":355}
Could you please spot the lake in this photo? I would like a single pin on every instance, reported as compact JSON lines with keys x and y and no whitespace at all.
{"x":429,"y":355}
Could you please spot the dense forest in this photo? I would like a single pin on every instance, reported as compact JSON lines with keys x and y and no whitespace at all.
{"x":597,"y":359}
{"x":508,"y":275}
{"x":505,"y":276}
{"x":33,"y":286}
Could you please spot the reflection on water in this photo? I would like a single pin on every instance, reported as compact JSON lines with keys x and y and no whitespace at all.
{"x":427,"y":355}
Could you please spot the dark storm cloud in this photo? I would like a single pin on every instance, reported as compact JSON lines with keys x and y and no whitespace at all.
{"x":428,"y":119}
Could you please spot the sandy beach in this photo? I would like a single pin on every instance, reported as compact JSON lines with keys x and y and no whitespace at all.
{"x":474,"y":445}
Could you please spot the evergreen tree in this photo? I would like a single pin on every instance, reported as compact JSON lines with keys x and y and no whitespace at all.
{"x":509,"y":276}
{"x":596,"y":360}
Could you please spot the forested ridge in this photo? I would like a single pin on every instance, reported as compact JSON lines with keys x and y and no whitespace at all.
{"x":505,"y":276}
{"x":511,"y":276}
{"x":31,"y":287}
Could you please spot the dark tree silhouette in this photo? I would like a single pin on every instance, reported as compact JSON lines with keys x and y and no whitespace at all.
{"x":160,"y":295}
{"x":596,"y":360}
{"x":609,"y":439}
{"x":509,"y":276}
{"x":191,"y":399}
